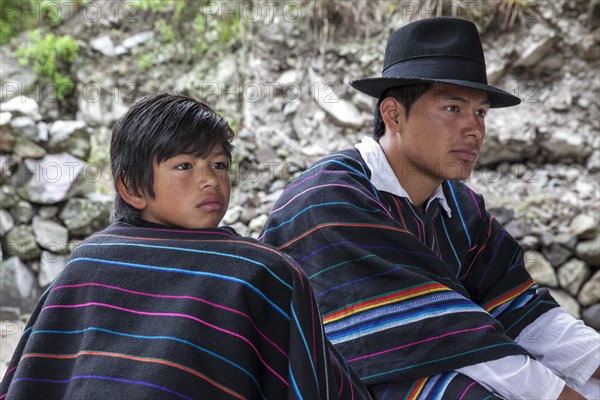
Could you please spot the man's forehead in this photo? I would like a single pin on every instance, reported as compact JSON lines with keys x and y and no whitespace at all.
{"x":442,"y":91}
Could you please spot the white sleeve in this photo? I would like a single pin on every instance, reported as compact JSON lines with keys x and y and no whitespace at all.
{"x":517,"y":377}
{"x":564,"y":344}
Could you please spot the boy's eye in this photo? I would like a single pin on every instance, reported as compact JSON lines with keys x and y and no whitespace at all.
{"x":220,"y":165}
{"x":183,"y":166}
{"x":482,"y":113}
{"x":452,"y":108}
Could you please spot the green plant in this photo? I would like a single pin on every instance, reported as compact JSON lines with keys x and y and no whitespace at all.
{"x":14,"y":18}
{"x":51,"y":57}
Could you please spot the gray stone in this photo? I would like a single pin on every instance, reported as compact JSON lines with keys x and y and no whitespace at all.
{"x":9,"y":313}
{"x":25,"y":148}
{"x":70,"y":136}
{"x":6,"y":222}
{"x":48,"y":211}
{"x":50,"y":235}
{"x":53,"y":178}
{"x":22,"y":212}
{"x":104,"y":45}
{"x":20,"y":241}
{"x":540,"y":269}
{"x":233,"y":215}
{"x":563,"y":143}
{"x":593,"y":162}
{"x":24,"y":127}
{"x":589,"y":251}
{"x":84,"y":216}
{"x":536,"y":51}
{"x":530,"y":242}
{"x":573,"y":274}
{"x":8,"y":196}
{"x":22,"y":105}
{"x":258,"y":223}
{"x":51,"y":266}
{"x":584,"y":226}
{"x":590,"y":292}
{"x":591,"y":316}
{"x":556,"y":254}
{"x":18,"y":287}
{"x":567,"y":302}
{"x":133,"y":41}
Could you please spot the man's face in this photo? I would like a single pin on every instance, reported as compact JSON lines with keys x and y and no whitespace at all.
{"x":442,"y":135}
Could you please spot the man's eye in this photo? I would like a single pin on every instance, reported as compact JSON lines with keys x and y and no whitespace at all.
{"x":183,"y":166}
{"x":452,"y":108}
{"x":220,"y":165}
{"x":482,"y":113}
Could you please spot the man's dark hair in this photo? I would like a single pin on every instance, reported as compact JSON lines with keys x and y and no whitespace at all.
{"x":406,"y":95}
{"x":155,"y":129}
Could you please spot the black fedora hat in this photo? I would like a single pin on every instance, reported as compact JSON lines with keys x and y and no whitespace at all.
{"x":436,"y":50}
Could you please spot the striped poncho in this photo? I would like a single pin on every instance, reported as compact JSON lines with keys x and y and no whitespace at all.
{"x":156,"y":313}
{"x":407,"y":297}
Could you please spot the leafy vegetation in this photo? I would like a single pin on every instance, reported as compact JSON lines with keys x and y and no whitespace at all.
{"x":51,"y":57}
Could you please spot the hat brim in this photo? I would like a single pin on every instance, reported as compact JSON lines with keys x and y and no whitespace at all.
{"x":376,"y":86}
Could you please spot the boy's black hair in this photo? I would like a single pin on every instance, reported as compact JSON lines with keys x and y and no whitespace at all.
{"x":406,"y":95}
{"x":155,"y":129}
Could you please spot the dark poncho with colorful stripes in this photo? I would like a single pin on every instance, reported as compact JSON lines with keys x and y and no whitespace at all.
{"x":156,"y":313}
{"x":406,"y":298}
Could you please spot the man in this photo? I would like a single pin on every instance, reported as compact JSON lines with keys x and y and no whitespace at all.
{"x":421,"y":289}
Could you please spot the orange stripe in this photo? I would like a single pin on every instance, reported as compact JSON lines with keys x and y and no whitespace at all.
{"x":340,"y":224}
{"x":414,"y":394}
{"x":135,"y":358}
{"x":508,"y":296}
{"x":381,"y":301}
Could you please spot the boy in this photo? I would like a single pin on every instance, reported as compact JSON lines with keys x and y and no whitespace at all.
{"x":164,"y":303}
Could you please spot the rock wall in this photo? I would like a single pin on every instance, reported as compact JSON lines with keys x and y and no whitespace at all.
{"x":286,"y":91}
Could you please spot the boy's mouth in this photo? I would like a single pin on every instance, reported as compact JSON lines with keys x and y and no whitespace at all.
{"x":211,"y":203}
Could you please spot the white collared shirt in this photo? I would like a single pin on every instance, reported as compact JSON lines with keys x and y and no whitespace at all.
{"x":569,"y":350}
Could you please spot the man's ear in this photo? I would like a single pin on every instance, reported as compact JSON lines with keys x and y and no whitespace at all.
{"x":392,"y":113}
{"x":131,"y":197}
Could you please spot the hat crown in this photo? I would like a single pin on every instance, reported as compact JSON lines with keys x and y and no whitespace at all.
{"x":441,"y":37}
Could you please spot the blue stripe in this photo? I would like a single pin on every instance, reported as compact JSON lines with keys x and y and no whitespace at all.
{"x":452,"y":247}
{"x":193,"y":251}
{"x":184,"y":271}
{"x":403,"y":319}
{"x":293,"y":383}
{"x":462,"y":220}
{"x":93,"y":328}
{"x":308,"y":353}
{"x":336,"y":203}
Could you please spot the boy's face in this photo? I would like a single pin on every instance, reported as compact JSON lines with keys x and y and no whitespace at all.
{"x":190,"y":192}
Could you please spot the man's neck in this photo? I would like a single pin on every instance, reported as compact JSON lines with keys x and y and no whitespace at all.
{"x":417,"y":184}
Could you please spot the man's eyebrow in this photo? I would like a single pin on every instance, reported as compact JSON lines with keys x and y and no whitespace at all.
{"x":463,"y":100}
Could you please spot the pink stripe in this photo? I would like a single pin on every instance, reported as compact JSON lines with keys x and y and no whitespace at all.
{"x":314,"y":176}
{"x":421,"y":341}
{"x":332,"y":185}
{"x":475,"y":201}
{"x":156,"y":314}
{"x":165,"y":296}
{"x":418,"y":227}
{"x":3,"y":396}
{"x":466,"y":390}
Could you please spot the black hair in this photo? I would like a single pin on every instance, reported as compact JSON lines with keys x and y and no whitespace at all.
{"x":155,"y":129}
{"x":406,"y":95}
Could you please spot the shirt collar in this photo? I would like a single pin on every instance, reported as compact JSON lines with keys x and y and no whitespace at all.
{"x":383,"y":177}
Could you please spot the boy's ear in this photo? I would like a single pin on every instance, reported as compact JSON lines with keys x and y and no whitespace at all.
{"x":130,"y":196}
{"x":392,"y":113}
